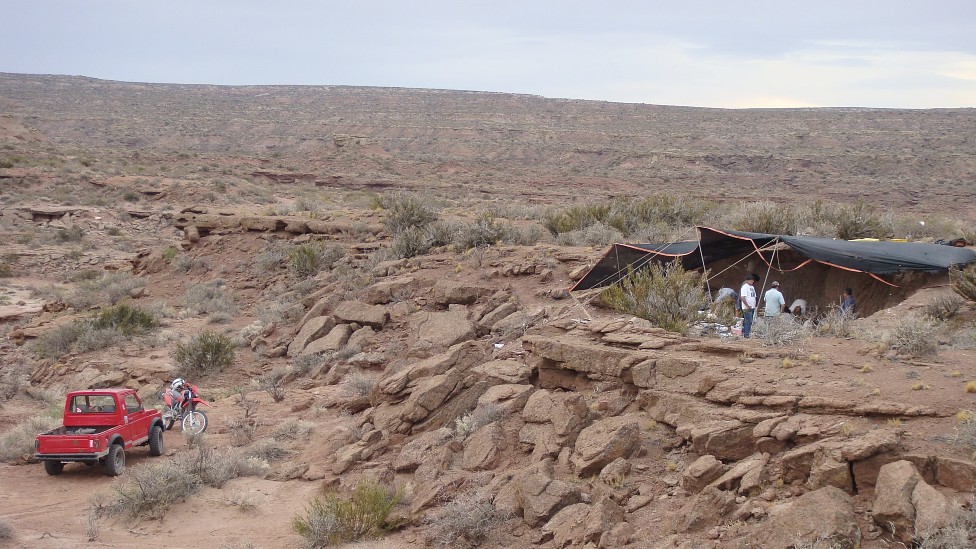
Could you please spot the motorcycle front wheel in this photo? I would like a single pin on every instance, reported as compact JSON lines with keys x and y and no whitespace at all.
{"x":194,"y":423}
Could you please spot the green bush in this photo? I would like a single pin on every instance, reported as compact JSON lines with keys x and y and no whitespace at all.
{"x":70,"y":234}
{"x":406,"y":211}
{"x":860,"y":220}
{"x":207,"y":352}
{"x":308,"y":259}
{"x":333,"y":519}
{"x":664,"y":294}
{"x":410,"y":242}
{"x":126,"y":319}
{"x":629,"y":216}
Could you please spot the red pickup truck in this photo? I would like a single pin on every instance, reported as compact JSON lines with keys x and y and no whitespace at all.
{"x":99,"y":426}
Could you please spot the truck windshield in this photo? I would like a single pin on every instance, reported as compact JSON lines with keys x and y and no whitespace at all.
{"x":93,"y":404}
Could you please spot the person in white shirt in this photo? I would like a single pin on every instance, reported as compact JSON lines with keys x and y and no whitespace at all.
{"x":774,"y":301}
{"x":747,"y":296}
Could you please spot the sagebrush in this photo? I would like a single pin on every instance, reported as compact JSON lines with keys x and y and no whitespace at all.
{"x":334,"y":519}
{"x":665,"y":294}
{"x":207,"y":352}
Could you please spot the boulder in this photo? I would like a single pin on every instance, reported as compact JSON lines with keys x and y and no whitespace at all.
{"x":460,"y":357}
{"x":615,"y":472}
{"x":540,"y":439}
{"x":893,"y":509}
{"x":504,"y":371}
{"x":335,"y":340}
{"x":706,"y":509}
{"x":490,"y":319}
{"x":723,"y":439}
{"x":311,"y":331}
{"x":418,"y":450}
{"x":394,"y":289}
{"x":745,"y":477}
{"x":509,"y":397}
{"x":933,"y":510}
{"x":540,"y":496}
{"x":484,"y":448}
{"x":448,"y":292}
{"x":956,"y":474}
{"x":443,"y":329}
{"x":604,"y":441}
{"x":581,"y":524}
{"x":701,"y":473}
{"x":538,"y":408}
{"x":361,"y":313}
{"x":824,"y":514}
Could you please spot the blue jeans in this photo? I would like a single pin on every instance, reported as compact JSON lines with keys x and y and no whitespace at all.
{"x":747,"y":317}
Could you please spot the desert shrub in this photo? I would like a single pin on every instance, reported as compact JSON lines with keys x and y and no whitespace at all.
{"x":273,"y":383}
{"x":293,"y":429}
{"x":209,"y":298}
{"x":6,"y":269}
{"x":69,"y":234}
{"x":109,"y":287}
{"x":204,"y":353}
{"x":477,"y":418}
{"x":304,"y":364}
{"x":835,"y":323}
{"x":308,"y":259}
{"x":149,"y":491}
{"x":241,"y":431}
{"x":765,"y":217}
{"x":126,"y":319}
{"x":6,"y":530}
{"x":170,"y":252}
{"x":574,"y":218}
{"x":484,"y":231}
{"x":185,"y":263}
{"x":780,"y":330}
{"x":964,"y":337}
{"x":359,"y":385}
{"x":334,"y":519}
{"x":18,"y":443}
{"x":914,"y":336}
{"x":410,"y":242}
{"x":93,"y":339}
{"x":465,"y":522}
{"x":964,"y":282}
{"x":274,"y":257}
{"x":59,"y":341}
{"x":860,"y":220}
{"x":406,"y":211}
{"x":597,"y":234}
{"x":664,"y":294}
{"x":944,"y":307}
{"x":627,"y":216}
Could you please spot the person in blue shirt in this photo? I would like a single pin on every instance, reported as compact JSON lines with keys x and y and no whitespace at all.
{"x":847,"y":302}
{"x":775,"y":302}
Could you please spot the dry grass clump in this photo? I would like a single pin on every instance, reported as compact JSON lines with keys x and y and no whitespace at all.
{"x":764,"y":217}
{"x":913,"y":336}
{"x":149,"y":491}
{"x":465,"y":522}
{"x":406,"y":211}
{"x":478,"y":418}
{"x":104,"y":329}
{"x":835,"y":323}
{"x":782,"y":330}
{"x":944,"y":307}
{"x":108,"y":288}
{"x":304,"y":364}
{"x":359,"y":385}
{"x":185,"y":263}
{"x":334,"y":519}
{"x":628,"y":217}
{"x":205,"y":353}
{"x":209,"y":298}
{"x":273,"y":383}
{"x":293,"y":429}
{"x":664,"y":294}
{"x":6,"y":530}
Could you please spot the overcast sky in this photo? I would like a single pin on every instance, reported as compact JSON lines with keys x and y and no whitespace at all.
{"x":722,"y":53}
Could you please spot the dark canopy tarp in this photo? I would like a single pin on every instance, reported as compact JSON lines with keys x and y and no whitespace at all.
{"x":877,"y":258}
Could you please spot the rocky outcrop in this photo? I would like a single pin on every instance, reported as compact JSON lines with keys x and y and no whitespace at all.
{"x":905,"y":505}
{"x":603,"y":442}
{"x":540,"y":497}
{"x":364,"y":314}
{"x":484,"y":448}
{"x":312,"y":330}
{"x":825,"y":515}
{"x":701,"y":473}
{"x":581,"y":524}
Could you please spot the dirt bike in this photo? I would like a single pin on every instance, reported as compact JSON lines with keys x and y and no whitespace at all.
{"x":184,"y":410}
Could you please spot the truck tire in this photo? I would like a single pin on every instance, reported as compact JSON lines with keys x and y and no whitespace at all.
{"x":156,"y":441}
{"x":115,"y":460}
{"x":53,"y":467}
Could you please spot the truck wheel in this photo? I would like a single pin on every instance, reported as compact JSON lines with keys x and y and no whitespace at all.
{"x":156,"y":441}
{"x":115,"y":460}
{"x":53,"y":467}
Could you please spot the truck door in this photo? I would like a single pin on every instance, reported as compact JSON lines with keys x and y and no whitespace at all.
{"x":133,"y":416}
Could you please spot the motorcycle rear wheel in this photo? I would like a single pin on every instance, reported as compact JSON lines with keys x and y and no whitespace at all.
{"x":194,"y":422}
